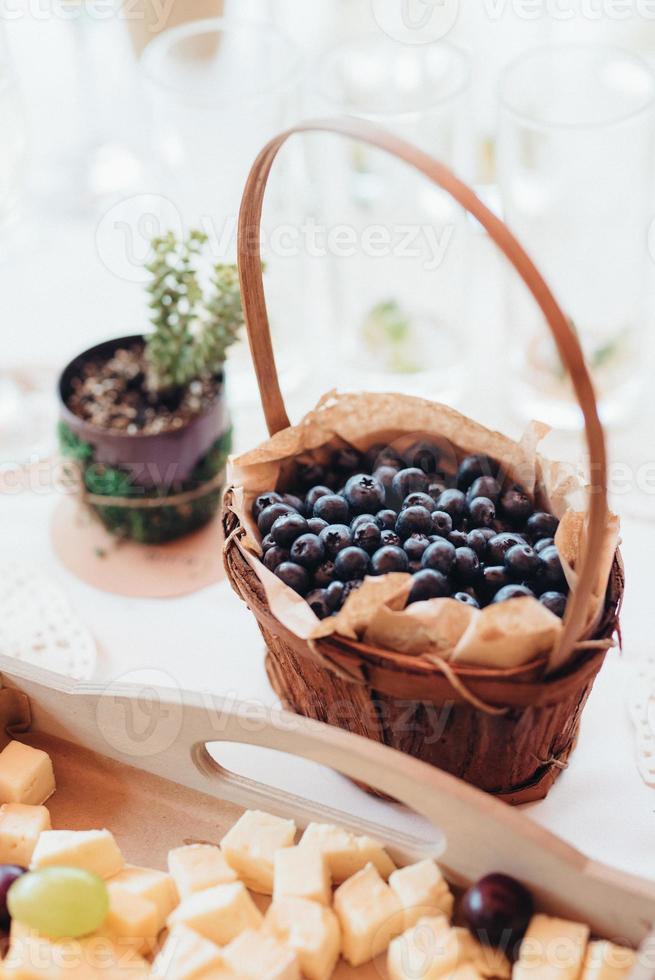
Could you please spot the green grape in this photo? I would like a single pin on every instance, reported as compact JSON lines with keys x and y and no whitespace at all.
{"x":59,"y":902}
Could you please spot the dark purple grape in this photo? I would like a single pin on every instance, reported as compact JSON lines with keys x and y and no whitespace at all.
{"x":543,"y":543}
{"x":418,"y":499}
{"x":413,"y":520}
{"x":522,"y":561}
{"x":267,"y":543}
{"x":390,"y":537}
{"x":367,"y":535}
{"x":346,"y":460}
{"x":317,"y":600}
{"x":295,"y":576}
{"x":454,"y":503}
{"x":467,"y":599}
{"x":541,"y":525}
{"x":334,"y":594}
{"x":439,"y":556}
{"x":386,"y":520}
{"x":308,"y":551}
{"x":315,"y":525}
{"x":315,"y":494}
{"x":324,"y":574}
{"x":484,"y":486}
{"x":265,"y":500}
{"x":287,"y":528}
{"x":551,"y":573}
{"x":515,"y":505}
{"x":512,"y":591}
{"x":497,"y":910}
{"x":442,"y":523}
{"x":364,"y":494}
{"x":475,"y":466}
{"x":415,"y":545}
{"x":293,"y":501}
{"x":351,"y":563}
{"x":335,"y":537}
{"x":429,"y":584}
{"x":499,"y":545}
{"x":467,"y":569}
{"x":332,"y":509}
{"x":275,"y":556}
{"x":555,"y":601}
{"x":269,"y":515}
{"x":482,"y":512}
{"x":458,"y":538}
{"x":385,"y":475}
{"x":8,"y":875}
{"x":409,"y":480}
{"x":389,"y":559}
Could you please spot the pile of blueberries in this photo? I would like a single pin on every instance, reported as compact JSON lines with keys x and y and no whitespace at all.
{"x":473,"y":536}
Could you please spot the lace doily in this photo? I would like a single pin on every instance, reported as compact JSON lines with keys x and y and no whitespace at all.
{"x":38,"y":626}
{"x":642,"y":711}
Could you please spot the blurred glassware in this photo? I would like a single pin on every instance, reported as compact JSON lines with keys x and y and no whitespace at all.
{"x":13,"y":147}
{"x":147,"y":18}
{"x":397,"y":246}
{"x":575,"y":162}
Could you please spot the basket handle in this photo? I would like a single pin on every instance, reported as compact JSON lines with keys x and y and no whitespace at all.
{"x":568,"y":346}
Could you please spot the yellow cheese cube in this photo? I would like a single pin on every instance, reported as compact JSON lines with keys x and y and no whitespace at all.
{"x":302,"y":873}
{"x":310,"y":930}
{"x":346,"y":853}
{"x":93,"y":850}
{"x":156,"y":886}
{"x":218,"y":913}
{"x":369,"y":915}
{"x":186,"y":955}
{"x":553,"y":949}
{"x":606,"y":961}
{"x":26,"y":775}
{"x":249,"y":847}
{"x":426,"y":951}
{"x":131,"y":917}
{"x":422,"y":891}
{"x":255,"y":955}
{"x":20,"y":826}
{"x":198,"y":866}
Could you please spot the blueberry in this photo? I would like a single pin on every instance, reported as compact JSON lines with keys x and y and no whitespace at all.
{"x":332,"y":508}
{"x":423,"y":456}
{"x":454,"y":503}
{"x":334,"y":594}
{"x":385,"y":475}
{"x":414,"y":567}
{"x":408,"y":481}
{"x":473,"y":467}
{"x":467,"y":566}
{"x":512,"y":591}
{"x":494,"y":577}
{"x":335,"y":537}
{"x":293,"y":501}
{"x":315,"y":525}
{"x":275,"y":556}
{"x":418,"y":499}
{"x":442,"y":523}
{"x":351,"y":563}
{"x":309,"y":474}
{"x":386,"y":520}
{"x":265,"y":500}
{"x":543,"y":543}
{"x":270,"y":514}
{"x":346,"y":460}
{"x":484,"y":486}
{"x":364,"y":494}
{"x":413,"y":520}
{"x":515,"y":504}
{"x":350,"y":587}
{"x":551,"y":573}
{"x":467,"y":599}
{"x":390,"y":558}
{"x":308,"y":550}
{"x":429,"y":584}
{"x":324,"y":574}
{"x":477,"y":540}
{"x":458,"y":538}
{"x":361,"y":518}
{"x":287,"y":528}
{"x":439,"y":556}
{"x":435,"y":489}
{"x":541,"y":525}
{"x":367,"y":535}
{"x":295,"y":576}
{"x":314,"y":494}
{"x":415,"y":545}
{"x":482,"y":512}
{"x":555,"y":601}
{"x":499,"y":545}
{"x":317,"y":599}
{"x":390,"y":537}
{"x":383,"y":455}
{"x":522,"y":561}
{"x":267,"y":542}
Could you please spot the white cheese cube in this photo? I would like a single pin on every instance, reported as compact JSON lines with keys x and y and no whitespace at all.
{"x":255,"y":955}
{"x":156,"y":886}
{"x":93,"y":850}
{"x":26,"y":775}
{"x":553,"y":948}
{"x":198,"y":866}
{"x":20,"y":826}
{"x":369,"y":914}
{"x":186,"y":955}
{"x":422,"y":891}
{"x":487,"y":960}
{"x":310,"y":930}
{"x":426,"y":951}
{"x":301,"y":873}
{"x":606,"y":961}
{"x":131,"y":917}
{"x":218,"y":913}
{"x":33,"y":957}
{"x":250,"y":846}
{"x":346,"y":853}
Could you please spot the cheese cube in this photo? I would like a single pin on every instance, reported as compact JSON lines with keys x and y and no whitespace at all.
{"x":255,"y":955}
{"x":422,"y":891}
{"x":302,"y":873}
{"x":93,"y":850}
{"x":156,"y":886}
{"x":187,"y":956}
{"x":552,"y":948}
{"x":487,"y":960}
{"x":249,"y":847}
{"x":310,"y":930}
{"x":198,"y":866}
{"x":33,"y":957}
{"x":131,"y":917}
{"x":26,"y":775}
{"x":346,"y":853}
{"x":20,"y":826}
{"x":426,"y":951}
{"x":369,"y":913}
{"x":218,"y":913}
{"x":606,"y":961}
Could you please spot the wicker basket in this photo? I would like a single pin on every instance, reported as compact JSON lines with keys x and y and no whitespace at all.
{"x":509,"y":732}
